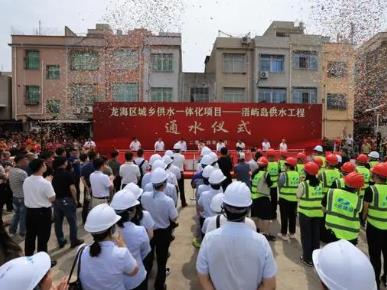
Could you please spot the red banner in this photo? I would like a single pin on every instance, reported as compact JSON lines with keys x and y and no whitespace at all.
{"x":115,"y":123}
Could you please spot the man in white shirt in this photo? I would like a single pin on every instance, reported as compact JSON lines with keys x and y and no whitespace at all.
{"x":265,"y":145}
{"x":135,"y":144}
{"x":38,"y":198}
{"x":220,"y":145}
{"x":240,"y":145}
{"x":142,"y":164}
{"x":129,"y":171}
{"x":182,"y":145}
{"x":283,"y":147}
{"x":178,"y":161}
{"x":101,"y":184}
{"x":159,"y":145}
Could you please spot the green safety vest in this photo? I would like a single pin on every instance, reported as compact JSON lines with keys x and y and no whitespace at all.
{"x":342,"y":213}
{"x":273,"y":170}
{"x":367,"y":177}
{"x":254,"y":185}
{"x":281,"y":165}
{"x":377,"y":210}
{"x":300,"y":169}
{"x":373,"y":163}
{"x":328,"y":178}
{"x":340,"y":183}
{"x":310,"y":202}
{"x":289,"y":189}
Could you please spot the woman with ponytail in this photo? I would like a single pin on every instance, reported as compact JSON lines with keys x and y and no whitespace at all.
{"x":107,"y":262}
{"x":135,"y":237}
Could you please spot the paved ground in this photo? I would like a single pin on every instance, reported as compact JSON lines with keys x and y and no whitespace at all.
{"x":291,"y":274}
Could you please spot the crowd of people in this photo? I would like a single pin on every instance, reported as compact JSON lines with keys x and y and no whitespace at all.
{"x":130,"y":211}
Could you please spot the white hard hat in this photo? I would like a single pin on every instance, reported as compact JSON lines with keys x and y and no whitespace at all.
{"x":216,"y":177}
{"x":159,"y":175}
{"x":101,"y":218}
{"x":158,"y":164}
{"x":237,"y":194}
{"x":374,"y":155}
{"x":207,"y":171}
{"x":216,"y":202}
{"x":206,"y":160}
{"x":242,"y":155}
{"x":167,"y":160}
{"x":177,"y":146}
{"x":213,"y":156}
{"x":24,"y":272}
{"x":342,"y":266}
{"x":205,"y":150}
{"x":137,"y":191}
{"x":153,"y":158}
{"x":123,"y":200}
{"x":318,"y":148}
{"x":339,"y":158}
{"x":168,"y":153}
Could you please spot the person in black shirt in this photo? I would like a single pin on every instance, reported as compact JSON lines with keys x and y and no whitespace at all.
{"x":47,"y":156}
{"x":65,"y":202}
{"x":225,"y":164}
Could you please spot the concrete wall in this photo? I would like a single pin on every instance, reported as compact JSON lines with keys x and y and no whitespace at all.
{"x":197,"y":80}
{"x":5,"y":96}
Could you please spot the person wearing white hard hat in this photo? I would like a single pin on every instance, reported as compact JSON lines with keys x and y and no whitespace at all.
{"x":129,"y":171}
{"x":318,"y":151}
{"x":159,"y":145}
{"x":107,"y":262}
{"x":29,"y":273}
{"x":216,"y":179}
{"x":219,"y":264}
{"x":342,"y":266}
{"x":163,"y":211}
{"x":173,"y":169}
{"x":215,"y":222}
{"x":135,"y":237}
{"x":146,"y":178}
{"x":178,"y":161}
{"x":374,"y":158}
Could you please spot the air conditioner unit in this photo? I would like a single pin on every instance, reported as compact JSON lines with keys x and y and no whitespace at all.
{"x":89,"y":109}
{"x":77,"y":111}
{"x":263,"y":75}
{"x":245,"y":40}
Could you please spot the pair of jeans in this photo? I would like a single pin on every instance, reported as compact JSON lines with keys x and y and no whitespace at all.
{"x":65,"y":207}
{"x":377,"y":246}
{"x":310,"y":235}
{"x":288,"y":211}
{"x":38,"y":226}
{"x":19,"y":218}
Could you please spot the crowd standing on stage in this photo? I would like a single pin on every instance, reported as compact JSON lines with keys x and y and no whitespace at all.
{"x":130,"y":211}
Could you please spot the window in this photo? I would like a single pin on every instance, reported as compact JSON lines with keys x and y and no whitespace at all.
{"x":125,"y":59}
{"x":162,"y":62}
{"x":272,"y":63}
{"x":307,"y":60}
{"x":82,"y":94}
{"x":53,"y":106}
{"x":32,"y":59}
{"x":84,"y":60}
{"x":32,"y":95}
{"x":234,"y":95}
{"x":336,"y":102}
{"x":125,"y":92}
{"x":337,"y":69}
{"x":304,"y":95}
{"x":271,"y":95}
{"x":199,"y":95}
{"x":234,"y":63}
{"x":53,"y":72}
{"x":161,"y":94}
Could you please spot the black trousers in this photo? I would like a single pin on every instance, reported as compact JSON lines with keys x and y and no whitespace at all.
{"x":180,"y":183}
{"x":332,"y":238}
{"x":160,"y":245}
{"x":310,"y":235}
{"x":143,"y":285}
{"x":324,"y":235}
{"x":273,"y":202}
{"x":77,"y":180}
{"x":377,"y":246}
{"x":288,"y":211}
{"x":38,"y":226}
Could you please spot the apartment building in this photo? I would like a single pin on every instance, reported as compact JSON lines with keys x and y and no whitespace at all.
{"x":57,"y":79}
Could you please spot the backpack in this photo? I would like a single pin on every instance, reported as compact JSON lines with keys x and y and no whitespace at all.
{"x":141,"y":171}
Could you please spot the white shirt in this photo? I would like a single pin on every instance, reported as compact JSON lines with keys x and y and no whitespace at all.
{"x":178,"y":160}
{"x":135,"y":145}
{"x":100,"y":184}
{"x":109,"y":270}
{"x":161,"y":207}
{"x":265,"y":146}
{"x":283,"y":147}
{"x":170,"y":190}
{"x":205,"y":202}
{"x":159,"y":146}
{"x":145,"y":179}
{"x":219,"y":146}
{"x":183,"y":145}
{"x":210,"y":223}
{"x":137,"y":241}
{"x":253,"y":165}
{"x":240,"y":145}
{"x":202,"y":188}
{"x":144,"y":166}
{"x":175,"y":171}
{"x":147,"y":221}
{"x":129,"y":172}
{"x":37,"y":192}
{"x":235,"y":257}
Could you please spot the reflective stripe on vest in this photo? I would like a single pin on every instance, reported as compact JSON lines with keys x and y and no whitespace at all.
{"x":342,"y":215}
{"x":340,"y":183}
{"x":366,"y":174}
{"x":273,"y":170}
{"x":281,"y":165}
{"x":329,"y":176}
{"x":289,"y":190}
{"x":254,"y":185}
{"x":377,"y":210}
{"x":310,"y":202}
{"x":300,"y":169}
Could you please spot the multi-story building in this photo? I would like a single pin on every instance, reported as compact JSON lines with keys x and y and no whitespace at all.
{"x":371,"y":86}
{"x":58,"y":78}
